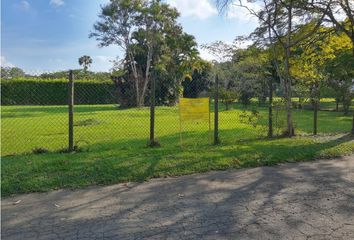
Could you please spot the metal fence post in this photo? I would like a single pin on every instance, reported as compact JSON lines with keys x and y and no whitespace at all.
{"x":216,"y":111}
{"x":71,"y":110}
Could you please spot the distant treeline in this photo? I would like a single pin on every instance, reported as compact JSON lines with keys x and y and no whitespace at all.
{"x":79,"y":75}
{"x":38,"y":91}
{"x":17,"y":73}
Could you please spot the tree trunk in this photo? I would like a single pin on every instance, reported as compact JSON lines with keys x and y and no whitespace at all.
{"x":287,"y":80}
{"x":352,"y":38}
{"x":287,"y":92}
{"x":353,"y":124}
{"x":153,"y":143}
{"x":300,"y":103}
{"x":136,"y":77}
{"x":146,"y":79}
{"x":270,"y":83}
{"x":315,"y":117}
{"x":137,"y":91}
{"x":346,"y":108}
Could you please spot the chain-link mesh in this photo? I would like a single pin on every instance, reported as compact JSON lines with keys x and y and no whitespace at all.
{"x":35,"y":116}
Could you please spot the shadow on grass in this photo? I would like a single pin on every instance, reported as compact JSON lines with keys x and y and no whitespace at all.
{"x":122,"y":161}
{"x":267,"y":202}
{"x":29,"y":111}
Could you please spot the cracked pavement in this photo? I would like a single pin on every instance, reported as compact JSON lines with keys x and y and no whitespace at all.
{"x":313,"y":200}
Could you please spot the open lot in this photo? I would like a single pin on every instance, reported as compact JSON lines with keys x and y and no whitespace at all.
{"x":113,"y":144}
{"x":175,"y":119}
{"x":27,"y":127}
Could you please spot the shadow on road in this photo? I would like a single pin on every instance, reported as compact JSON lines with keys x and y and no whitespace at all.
{"x":283,"y":202}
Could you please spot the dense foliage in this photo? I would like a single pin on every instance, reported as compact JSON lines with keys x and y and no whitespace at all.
{"x":78,"y":74}
{"x":32,"y":91}
{"x":155,"y":46}
{"x":11,"y":72}
{"x":294,"y":53}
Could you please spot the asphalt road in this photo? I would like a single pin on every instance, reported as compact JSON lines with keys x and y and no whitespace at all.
{"x":313,"y":200}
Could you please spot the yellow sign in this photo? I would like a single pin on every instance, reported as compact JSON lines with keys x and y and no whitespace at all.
{"x":192,"y":109}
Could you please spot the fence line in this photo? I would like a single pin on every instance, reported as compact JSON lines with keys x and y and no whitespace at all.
{"x":35,"y":117}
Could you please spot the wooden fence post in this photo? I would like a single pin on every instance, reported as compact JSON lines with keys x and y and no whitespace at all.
{"x":216,"y":111}
{"x":71,"y":110}
{"x":153,"y":143}
{"x":270,"y":109}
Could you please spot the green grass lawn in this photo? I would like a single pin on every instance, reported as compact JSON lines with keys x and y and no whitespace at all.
{"x":113,"y":144}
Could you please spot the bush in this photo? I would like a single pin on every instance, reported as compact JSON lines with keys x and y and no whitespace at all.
{"x":34,"y":91}
{"x":245,"y":97}
{"x":226,"y":97}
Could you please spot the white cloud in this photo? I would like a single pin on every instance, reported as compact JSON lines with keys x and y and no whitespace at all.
{"x":201,"y":9}
{"x":103,"y":59}
{"x":102,"y":63}
{"x":23,"y":6}
{"x":57,"y":3}
{"x":206,"y":55}
{"x":5,"y":63}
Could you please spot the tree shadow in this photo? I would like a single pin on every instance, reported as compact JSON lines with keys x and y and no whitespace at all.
{"x":293,"y":200}
{"x":32,"y":111}
{"x":133,"y":161}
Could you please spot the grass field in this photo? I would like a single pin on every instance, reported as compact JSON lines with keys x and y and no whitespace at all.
{"x":113,"y":144}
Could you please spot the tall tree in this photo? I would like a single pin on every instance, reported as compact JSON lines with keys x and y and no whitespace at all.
{"x":118,"y":19}
{"x":176,"y":59}
{"x":12,"y":72}
{"x":85,"y":61}
{"x":282,"y":18}
{"x":141,"y":28}
{"x":341,"y":74}
{"x":310,"y":59}
{"x":335,"y":10}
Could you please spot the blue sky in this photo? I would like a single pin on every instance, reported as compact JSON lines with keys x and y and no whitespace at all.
{"x":47,"y":35}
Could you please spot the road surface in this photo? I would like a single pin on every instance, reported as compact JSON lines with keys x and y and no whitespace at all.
{"x":313,"y":200}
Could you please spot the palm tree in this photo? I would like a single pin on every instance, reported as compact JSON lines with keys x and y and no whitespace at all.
{"x":85,"y":61}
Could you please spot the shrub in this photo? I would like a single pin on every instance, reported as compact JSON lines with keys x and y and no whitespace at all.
{"x":33,"y":91}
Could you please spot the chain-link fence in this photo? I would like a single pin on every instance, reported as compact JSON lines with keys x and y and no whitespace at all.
{"x":35,"y":116}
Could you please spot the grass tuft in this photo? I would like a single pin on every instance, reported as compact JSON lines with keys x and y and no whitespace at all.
{"x":87,"y":122}
{"x":39,"y":150}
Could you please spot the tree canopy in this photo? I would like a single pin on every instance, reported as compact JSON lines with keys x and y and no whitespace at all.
{"x":154,"y":45}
